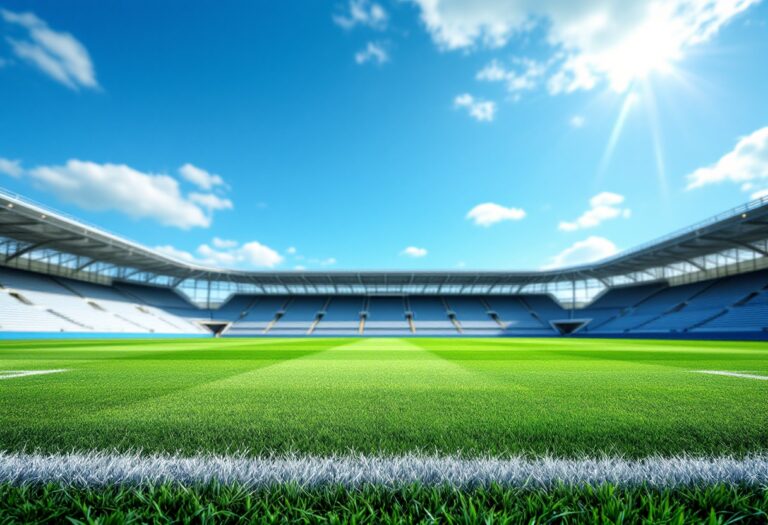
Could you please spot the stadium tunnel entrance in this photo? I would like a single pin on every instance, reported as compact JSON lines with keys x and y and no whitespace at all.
{"x":569,"y":326}
{"x":216,"y":328}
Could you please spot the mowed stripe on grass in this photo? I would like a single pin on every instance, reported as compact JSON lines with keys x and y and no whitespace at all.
{"x":502,"y":397}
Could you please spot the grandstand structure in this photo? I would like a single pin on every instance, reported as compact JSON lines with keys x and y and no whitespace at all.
{"x":62,"y":277}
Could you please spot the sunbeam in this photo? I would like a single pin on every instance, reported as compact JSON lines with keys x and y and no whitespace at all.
{"x":629,"y":102}
{"x":658,"y":150}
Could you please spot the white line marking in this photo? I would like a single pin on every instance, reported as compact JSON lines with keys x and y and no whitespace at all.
{"x":731,"y":374}
{"x":103,"y":468}
{"x":12,"y":374}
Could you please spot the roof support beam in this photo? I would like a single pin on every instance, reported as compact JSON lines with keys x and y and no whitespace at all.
{"x":744,"y":245}
{"x":85,"y":265}
{"x":695,"y":265}
{"x":20,"y":223}
{"x":35,"y":246}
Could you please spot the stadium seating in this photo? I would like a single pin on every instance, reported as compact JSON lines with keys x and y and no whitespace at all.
{"x":473,"y":316}
{"x":341,"y":316}
{"x":144,"y":317}
{"x":543,"y":307}
{"x":386,"y":316}
{"x":40,"y":303}
{"x":235,"y":308}
{"x":608,"y":307}
{"x":430,"y":316}
{"x":518,"y":316}
{"x":650,"y":309}
{"x":260,"y":317}
{"x":709,"y":306}
{"x":16,"y":315}
{"x":32,"y":302}
{"x":744,"y":318}
{"x":300,"y":316}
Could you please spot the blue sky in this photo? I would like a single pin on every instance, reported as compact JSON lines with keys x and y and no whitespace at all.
{"x":422,"y":134}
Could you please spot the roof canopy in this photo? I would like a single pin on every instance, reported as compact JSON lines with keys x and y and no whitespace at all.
{"x":27,"y":227}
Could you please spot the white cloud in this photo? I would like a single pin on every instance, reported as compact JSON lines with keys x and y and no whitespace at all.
{"x":291,"y":250}
{"x":210,"y":202}
{"x":607,"y":40}
{"x":524,"y":77}
{"x":10,"y":167}
{"x":299,"y":268}
{"x":480,"y":110}
{"x":373,"y":52}
{"x":199,"y":177}
{"x":756,"y":191}
{"x":363,"y":13}
{"x":492,"y":72}
{"x":223,"y":243}
{"x":59,"y":55}
{"x":461,"y":24}
{"x":257,"y":254}
{"x":589,"y":250}
{"x":577,"y":121}
{"x":746,"y":164}
{"x":227,"y":254}
{"x":602,"y":207}
{"x":117,"y":187}
{"x":759,"y":194}
{"x":175,"y":253}
{"x":328,"y":261}
{"x":490,"y":213}
{"x":413,"y":251}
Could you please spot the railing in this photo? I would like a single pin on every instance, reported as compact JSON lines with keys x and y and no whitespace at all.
{"x":48,"y":210}
{"x":733,"y":212}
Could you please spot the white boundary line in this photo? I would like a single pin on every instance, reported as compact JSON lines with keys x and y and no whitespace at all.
{"x":12,"y":374}
{"x":97,"y":468}
{"x":731,"y":374}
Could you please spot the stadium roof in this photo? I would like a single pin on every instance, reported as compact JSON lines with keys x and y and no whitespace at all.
{"x":27,"y":228}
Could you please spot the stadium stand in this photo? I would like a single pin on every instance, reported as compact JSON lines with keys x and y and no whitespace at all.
{"x":40,"y":303}
{"x":300,"y":316}
{"x":750,"y":315}
{"x":431,"y":316}
{"x":518,"y":317}
{"x":60,"y":276}
{"x":473,"y":316}
{"x":259,"y":319}
{"x":714,"y":305}
{"x":385,"y":316}
{"x":237,"y":306}
{"x":610,"y":306}
{"x":32,"y":302}
{"x":341,"y":316}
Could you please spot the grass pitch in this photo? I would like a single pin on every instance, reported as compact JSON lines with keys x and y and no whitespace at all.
{"x":721,"y":504}
{"x":560,"y":397}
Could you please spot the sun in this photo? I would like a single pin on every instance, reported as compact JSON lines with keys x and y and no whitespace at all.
{"x":652,"y":47}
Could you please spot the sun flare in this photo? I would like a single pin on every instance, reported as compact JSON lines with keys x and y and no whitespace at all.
{"x":653,"y":47}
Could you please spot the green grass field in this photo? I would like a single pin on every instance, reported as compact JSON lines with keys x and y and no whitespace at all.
{"x":564,"y":397}
{"x":411,"y":504}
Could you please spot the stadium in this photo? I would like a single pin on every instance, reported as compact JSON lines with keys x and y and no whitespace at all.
{"x":61,"y":277}
{"x":102,"y":318}
{"x":384,"y":261}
